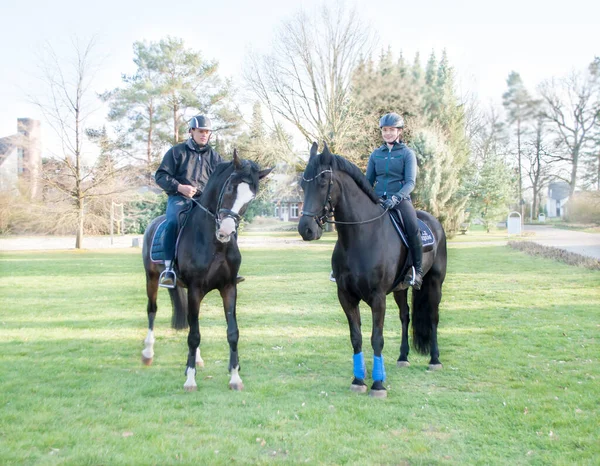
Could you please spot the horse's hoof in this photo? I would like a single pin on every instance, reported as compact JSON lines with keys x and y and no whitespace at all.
{"x":378,"y":393}
{"x":435,"y":367}
{"x":147,"y":361}
{"x":190,"y":388}
{"x":358,"y":388}
{"x":402,"y":363}
{"x":238,"y":387}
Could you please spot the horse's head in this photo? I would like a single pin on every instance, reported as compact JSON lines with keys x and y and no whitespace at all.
{"x":236,"y":193}
{"x":317,"y":184}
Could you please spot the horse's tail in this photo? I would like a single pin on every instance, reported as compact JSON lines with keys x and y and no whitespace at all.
{"x":179,"y":303}
{"x":426,"y":301}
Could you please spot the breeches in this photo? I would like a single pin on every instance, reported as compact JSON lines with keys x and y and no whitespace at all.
{"x":175,"y":206}
{"x":409,"y":215}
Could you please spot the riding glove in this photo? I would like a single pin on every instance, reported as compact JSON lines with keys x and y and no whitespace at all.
{"x":391,"y":202}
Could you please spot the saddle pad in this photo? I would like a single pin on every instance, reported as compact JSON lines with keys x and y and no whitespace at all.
{"x":157,"y":252}
{"x":426,"y":234}
{"x":427,"y":237}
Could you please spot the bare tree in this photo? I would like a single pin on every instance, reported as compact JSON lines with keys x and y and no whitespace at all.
{"x":573,"y":106}
{"x":67,"y":106}
{"x":538,"y":161}
{"x":306,"y":78}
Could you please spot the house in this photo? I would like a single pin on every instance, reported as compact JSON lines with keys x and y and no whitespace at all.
{"x":558,"y":195}
{"x":20,"y":158}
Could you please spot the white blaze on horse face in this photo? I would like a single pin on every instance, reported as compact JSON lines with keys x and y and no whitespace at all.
{"x":244,"y":195}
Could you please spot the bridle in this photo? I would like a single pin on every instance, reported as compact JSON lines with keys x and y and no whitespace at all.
{"x":327,"y":209}
{"x":227,"y":212}
{"x":326,"y":212}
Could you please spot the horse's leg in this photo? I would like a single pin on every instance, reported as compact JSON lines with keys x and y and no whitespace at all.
{"x":378,"y":374}
{"x":229,"y":295}
{"x":426,"y":317}
{"x":195,"y":296}
{"x":352,"y":311}
{"x":151,"y":291}
{"x":401,"y":298}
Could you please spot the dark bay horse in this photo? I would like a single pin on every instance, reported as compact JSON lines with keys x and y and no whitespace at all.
{"x":208,"y":258}
{"x":367,"y":260}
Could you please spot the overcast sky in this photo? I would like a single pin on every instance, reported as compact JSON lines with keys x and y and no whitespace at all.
{"x":484,"y":40}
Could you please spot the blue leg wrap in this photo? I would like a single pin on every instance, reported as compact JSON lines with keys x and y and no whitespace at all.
{"x":359,"y":365}
{"x":378,"y":369}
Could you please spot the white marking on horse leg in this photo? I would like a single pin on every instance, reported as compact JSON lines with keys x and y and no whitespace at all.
{"x":190,"y":383}
{"x":148,"y":351}
{"x":199,"y":360}
{"x":235,"y":383}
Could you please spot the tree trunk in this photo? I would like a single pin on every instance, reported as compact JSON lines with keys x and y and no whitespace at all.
{"x":79,"y":235}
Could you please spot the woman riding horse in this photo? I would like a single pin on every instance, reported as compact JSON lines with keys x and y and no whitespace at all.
{"x":368,"y":261}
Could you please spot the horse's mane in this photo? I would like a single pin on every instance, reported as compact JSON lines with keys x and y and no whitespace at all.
{"x":247,"y":170}
{"x":340,"y":163}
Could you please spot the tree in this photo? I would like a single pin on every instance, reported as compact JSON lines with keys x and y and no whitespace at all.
{"x":137,"y":106}
{"x":306,"y":79}
{"x":573,"y":107}
{"x":491,"y":193}
{"x":171,"y":84}
{"x":518,"y":104}
{"x":66,"y":109}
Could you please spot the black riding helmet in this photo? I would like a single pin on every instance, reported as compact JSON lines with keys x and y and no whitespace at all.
{"x":391,"y":119}
{"x":201,"y":122}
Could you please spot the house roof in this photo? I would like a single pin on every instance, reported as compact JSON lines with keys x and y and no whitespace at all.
{"x":558,"y":190}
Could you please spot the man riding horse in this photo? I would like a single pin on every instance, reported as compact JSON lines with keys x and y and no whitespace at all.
{"x":183,"y":174}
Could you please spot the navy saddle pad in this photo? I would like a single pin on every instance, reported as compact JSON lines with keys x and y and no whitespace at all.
{"x":427,"y":237}
{"x":157,"y":252}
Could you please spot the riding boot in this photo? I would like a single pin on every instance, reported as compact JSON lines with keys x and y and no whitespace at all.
{"x":239,"y":279}
{"x":414,"y":277}
{"x":168,"y":278}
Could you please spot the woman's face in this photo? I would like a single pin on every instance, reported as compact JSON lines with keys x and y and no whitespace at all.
{"x":390,"y":134}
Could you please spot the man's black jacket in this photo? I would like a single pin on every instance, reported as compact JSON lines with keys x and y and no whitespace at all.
{"x":186,"y":163}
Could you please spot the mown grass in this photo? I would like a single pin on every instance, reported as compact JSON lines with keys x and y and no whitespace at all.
{"x":518,"y":338}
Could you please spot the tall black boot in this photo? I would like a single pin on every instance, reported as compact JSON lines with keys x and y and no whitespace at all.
{"x":415,"y":278}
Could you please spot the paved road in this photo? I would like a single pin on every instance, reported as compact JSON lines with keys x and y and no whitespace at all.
{"x":586,"y":244}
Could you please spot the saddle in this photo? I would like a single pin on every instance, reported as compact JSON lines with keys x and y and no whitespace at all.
{"x":157,"y":252}
{"x":427,"y":239}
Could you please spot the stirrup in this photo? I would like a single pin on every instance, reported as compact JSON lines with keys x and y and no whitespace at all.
{"x":331,"y":277}
{"x":413,"y":279}
{"x":167,"y":279}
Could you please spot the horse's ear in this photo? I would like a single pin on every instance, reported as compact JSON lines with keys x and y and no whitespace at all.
{"x":326,"y":155}
{"x":236,"y":161}
{"x":263,"y":173}
{"x":313,"y":149}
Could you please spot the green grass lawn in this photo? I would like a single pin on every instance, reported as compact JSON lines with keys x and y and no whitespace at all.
{"x":518,"y":339}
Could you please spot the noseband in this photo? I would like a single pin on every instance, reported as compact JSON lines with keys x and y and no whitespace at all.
{"x":326,"y":211}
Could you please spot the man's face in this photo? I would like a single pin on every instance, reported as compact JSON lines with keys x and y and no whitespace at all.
{"x":390,"y":134}
{"x":201,"y":136}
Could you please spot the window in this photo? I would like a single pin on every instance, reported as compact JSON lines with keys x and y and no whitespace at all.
{"x":294,"y":213}
{"x":20,"y":159}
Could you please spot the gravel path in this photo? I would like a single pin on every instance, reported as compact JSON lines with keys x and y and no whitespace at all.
{"x":587,"y":244}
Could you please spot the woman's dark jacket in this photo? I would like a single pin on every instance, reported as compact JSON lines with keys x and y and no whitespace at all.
{"x":392,"y":172}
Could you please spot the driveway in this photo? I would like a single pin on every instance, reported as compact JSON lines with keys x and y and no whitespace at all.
{"x":586,"y":244}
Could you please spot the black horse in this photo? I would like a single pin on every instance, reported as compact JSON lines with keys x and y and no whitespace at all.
{"x":367,"y":260}
{"x":208,"y":258}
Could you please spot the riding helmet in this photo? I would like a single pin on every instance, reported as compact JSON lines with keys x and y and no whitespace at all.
{"x":391,"y":119}
{"x":201,"y":122}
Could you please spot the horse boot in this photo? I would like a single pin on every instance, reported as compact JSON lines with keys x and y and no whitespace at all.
{"x":168,"y":278}
{"x":414,"y":277}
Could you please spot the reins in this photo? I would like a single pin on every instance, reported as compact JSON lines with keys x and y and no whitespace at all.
{"x":328,"y":213}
